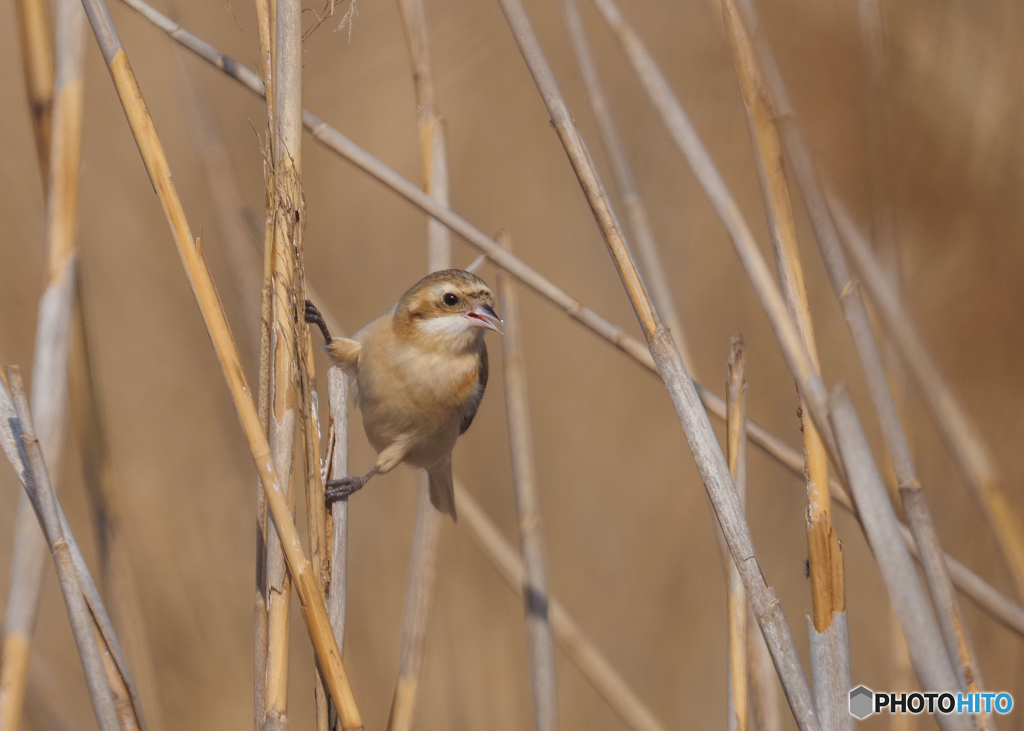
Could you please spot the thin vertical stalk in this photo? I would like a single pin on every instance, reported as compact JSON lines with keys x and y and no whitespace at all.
{"x":74,"y":601}
{"x":881,"y":527}
{"x":539,"y":645}
{"x":970,"y":452}
{"x":736,"y":453}
{"x":50,"y":364}
{"x":997,"y":605}
{"x":37,"y":67}
{"x":337,"y":466}
{"x":311,"y":599}
{"x":419,"y":588}
{"x":694,"y":420}
{"x":261,"y":620}
{"x":636,"y":211}
{"x":829,"y":644}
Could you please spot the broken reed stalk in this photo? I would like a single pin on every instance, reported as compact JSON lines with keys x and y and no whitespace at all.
{"x":567,"y":633}
{"x":115,"y":567}
{"x":311,"y":599}
{"x":694,"y":420}
{"x":994,"y":603}
{"x":37,"y":66}
{"x":881,"y":527}
{"x":539,"y":645}
{"x":261,"y":618}
{"x":828,"y":628}
{"x":809,"y":384}
{"x":78,"y":611}
{"x":114,"y":665}
{"x":422,"y":572}
{"x":50,"y":363}
{"x":736,"y":452}
{"x":962,"y":438}
{"x":636,"y":212}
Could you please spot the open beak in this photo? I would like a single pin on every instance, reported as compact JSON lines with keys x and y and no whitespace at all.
{"x":485,"y":316}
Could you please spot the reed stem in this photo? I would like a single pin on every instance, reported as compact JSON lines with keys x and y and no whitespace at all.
{"x":311,"y":599}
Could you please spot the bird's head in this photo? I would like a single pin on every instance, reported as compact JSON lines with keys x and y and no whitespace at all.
{"x":449,"y":309}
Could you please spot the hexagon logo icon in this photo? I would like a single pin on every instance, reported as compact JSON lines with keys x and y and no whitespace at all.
{"x":861,"y":702}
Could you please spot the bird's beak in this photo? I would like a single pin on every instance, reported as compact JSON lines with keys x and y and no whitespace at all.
{"x":485,"y":316}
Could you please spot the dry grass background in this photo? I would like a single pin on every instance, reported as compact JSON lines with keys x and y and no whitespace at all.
{"x":630,"y":543}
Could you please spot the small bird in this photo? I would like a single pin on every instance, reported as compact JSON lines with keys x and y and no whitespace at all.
{"x":419,"y":373}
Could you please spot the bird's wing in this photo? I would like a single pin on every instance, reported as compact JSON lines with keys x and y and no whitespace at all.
{"x":477,"y":394}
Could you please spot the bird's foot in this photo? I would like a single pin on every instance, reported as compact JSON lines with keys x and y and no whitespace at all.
{"x":342,"y":487}
{"x":314,"y":317}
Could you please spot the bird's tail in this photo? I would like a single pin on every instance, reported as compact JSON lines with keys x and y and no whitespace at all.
{"x":442,"y":489}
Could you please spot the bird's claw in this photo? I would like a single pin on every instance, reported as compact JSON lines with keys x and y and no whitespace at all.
{"x":313,"y":316}
{"x":341,"y":488}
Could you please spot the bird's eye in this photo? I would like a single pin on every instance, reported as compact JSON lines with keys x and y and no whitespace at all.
{"x":451,"y":299}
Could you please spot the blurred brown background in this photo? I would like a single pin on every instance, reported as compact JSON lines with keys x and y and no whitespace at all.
{"x":631,"y":547}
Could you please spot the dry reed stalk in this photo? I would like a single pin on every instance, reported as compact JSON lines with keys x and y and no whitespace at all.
{"x":539,"y":645}
{"x":311,"y":599}
{"x":289,"y":332}
{"x":694,"y":420}
{"x":45,"y":502}
{"x":50,"y":365}
{"x":567,"y":633}
{"x":908,"y":598}
{"x":962,"y":438}
{"x":422,"y":571}
{"x":736,"y":452}
{"x":828,"y":628}
{"x":809,"y":384}
{"x":636,"y":212}
{"x":997,"y":605}
{"x":261,"y":618}
{"x":114,"y":665}
{"x":337,"y":466}
{"x":115,"y":568}
{"x":37,"y":66}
